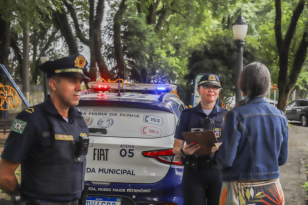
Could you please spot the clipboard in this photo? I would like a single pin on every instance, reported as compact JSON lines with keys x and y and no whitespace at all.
{"x":206,"y":139}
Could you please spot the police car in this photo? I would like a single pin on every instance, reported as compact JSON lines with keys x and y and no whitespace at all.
{"x":130,"y":158}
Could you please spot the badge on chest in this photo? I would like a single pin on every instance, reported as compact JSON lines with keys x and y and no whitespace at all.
{"x":217,"y":132}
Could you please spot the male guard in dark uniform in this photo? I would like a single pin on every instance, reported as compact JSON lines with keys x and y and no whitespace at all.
{"x":201,"y":180}
{"x":50,"y":142}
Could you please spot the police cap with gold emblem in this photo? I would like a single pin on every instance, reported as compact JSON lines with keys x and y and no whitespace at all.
{"x":71,"y":66}
{"x":209,"y":79}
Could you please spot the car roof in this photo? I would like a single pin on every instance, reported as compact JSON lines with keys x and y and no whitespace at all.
{"x":143,"y":101}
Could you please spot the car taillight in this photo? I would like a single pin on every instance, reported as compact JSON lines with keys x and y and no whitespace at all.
{"x":165,"y":156}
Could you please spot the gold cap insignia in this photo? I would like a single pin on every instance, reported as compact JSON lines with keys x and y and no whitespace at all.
{"x":80,"y":62}
{"x":212,"y":77}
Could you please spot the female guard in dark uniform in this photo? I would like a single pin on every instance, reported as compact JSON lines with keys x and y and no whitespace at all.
{"x":201,"y":182}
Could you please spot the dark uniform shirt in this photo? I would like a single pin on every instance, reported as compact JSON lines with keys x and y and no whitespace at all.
{"x":194,"y":117}
{"x":24,"y":141}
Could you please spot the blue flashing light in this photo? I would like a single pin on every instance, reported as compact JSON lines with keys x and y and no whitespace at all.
{"x":162,"y":88}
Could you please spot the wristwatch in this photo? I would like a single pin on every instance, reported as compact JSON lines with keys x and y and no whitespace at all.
{"x":182,"y":152}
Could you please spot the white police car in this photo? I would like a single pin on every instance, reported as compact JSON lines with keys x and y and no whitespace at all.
{"x":130,"y":158}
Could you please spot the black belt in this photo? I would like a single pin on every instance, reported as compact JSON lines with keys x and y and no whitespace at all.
{"x":197,"y":163}
{"x":76,"y":202}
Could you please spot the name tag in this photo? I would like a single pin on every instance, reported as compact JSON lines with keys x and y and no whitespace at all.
{"x":64,"y":137}
{"x":196,"y":129}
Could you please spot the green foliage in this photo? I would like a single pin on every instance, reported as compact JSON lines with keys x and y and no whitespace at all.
{"x":302,"y":81}
{"x":28,"y":12}
{"x":218,"y":55}
{"x":305,"y":186}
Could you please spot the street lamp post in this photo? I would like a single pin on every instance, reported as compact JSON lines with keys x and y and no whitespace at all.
{"x":43,"y":59}
{"x":240,"y":28}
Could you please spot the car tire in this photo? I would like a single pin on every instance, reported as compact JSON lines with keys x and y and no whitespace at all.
{"x":303,"y":120}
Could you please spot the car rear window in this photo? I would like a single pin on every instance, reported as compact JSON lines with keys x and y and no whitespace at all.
{"x":128,"y":122}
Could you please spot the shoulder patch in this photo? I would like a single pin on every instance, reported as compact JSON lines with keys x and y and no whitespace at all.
{"x":18,"y":126}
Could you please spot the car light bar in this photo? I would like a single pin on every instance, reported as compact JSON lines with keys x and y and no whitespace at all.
{"x":133,"y":86}
{"x":165,"y":156}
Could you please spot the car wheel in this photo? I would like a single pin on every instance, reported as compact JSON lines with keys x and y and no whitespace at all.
{"x":303,"y":120}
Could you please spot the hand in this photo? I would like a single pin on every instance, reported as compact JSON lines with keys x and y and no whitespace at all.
{"x":191,"y":148}
{"x":214,"y":149}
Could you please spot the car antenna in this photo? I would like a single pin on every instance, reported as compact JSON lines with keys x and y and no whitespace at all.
{"x":119,"y":90}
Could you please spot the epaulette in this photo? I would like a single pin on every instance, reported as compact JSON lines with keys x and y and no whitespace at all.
{"x":77,"y":110}
{"x":31,"y":110}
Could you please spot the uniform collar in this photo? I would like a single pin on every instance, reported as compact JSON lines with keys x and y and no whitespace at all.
{"x":51,"y":109}
{"x":215,"y":110}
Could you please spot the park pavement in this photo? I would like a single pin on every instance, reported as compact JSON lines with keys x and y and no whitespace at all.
{"x":292,"y":175}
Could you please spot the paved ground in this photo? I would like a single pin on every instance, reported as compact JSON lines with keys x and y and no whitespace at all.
{"x":294,"y":172}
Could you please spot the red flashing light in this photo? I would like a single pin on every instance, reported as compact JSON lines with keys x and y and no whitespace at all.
{"x":165,"y":156}
{"x":102,"y":88}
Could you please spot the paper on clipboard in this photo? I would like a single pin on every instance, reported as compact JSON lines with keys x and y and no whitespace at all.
{"x":206,"y":140}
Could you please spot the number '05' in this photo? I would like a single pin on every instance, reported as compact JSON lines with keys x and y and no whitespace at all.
{"x":125,"y":152}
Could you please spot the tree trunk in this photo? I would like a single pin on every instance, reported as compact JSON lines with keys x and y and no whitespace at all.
{"x":161,"y":20}
{"x":5,"y":38}
{"x":35,"y":41}
{"x":36,"y":71}
{"x":25,"y":63}
{"x":285,"y":84}
{"x":117,"y":36}
{"x":18,"y":54}
{"x":104,"y":73}
{"x":93,"y":69}
{"x":61,"y":22}
{"x":151,"y":16}
{"x":297,"y":90}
